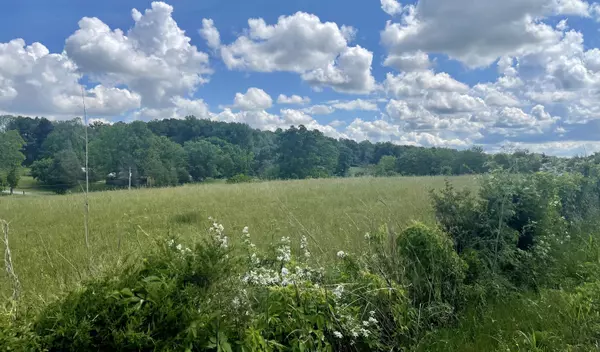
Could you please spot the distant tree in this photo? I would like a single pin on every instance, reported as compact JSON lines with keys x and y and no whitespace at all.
{"x":304,"y":153}
{"x":345,"y":160}
{"x":5,"y":121}
{"x":59,"y":173}
{"x":365,"y":153}
{"x":202,"y":158}
{"x":386,"y":166}
{"x":66,"y":135}
{"x":13,"y":178}
{"x":11,"y":158}
{"x":165,"y":162}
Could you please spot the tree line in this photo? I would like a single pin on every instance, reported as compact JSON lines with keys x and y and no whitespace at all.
{"x":176,"y":151}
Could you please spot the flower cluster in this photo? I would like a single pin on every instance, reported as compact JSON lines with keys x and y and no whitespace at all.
{"x":304,"y":247}
{"x":355,"y":329}
{"x":284,"y":252}
{"x":250,"y":247}
{"x":179,"y":247}
{"x":219,"y":231}
{"x":282,"y":270}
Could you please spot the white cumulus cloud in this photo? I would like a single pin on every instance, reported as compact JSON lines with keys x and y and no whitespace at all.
{"x":253,"y":99}
{"x":301,"y":43}
{"x":293,"y":99}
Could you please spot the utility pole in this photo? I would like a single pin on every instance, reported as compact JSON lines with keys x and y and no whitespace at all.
{"x":130,"y":178}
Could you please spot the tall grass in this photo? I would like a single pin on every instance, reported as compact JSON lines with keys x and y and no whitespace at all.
{"x":49,"y":251}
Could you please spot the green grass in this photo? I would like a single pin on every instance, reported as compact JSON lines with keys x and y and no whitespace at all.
{"x":47,"y":233}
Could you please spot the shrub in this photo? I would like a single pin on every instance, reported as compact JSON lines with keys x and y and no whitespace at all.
{"x":433,"y":270}
{"x":240,"y":178}
{"x":216,"y":297}
{"x":515,"y":225}
{"x":170,"y":302}
{"x":17,"y":335}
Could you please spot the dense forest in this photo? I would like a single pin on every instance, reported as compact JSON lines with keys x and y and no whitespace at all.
{"x":174,"y":151}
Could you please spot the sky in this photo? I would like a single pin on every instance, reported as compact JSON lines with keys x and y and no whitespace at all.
{"x":501,"y":74}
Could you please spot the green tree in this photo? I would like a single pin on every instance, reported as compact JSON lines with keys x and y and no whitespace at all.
{"x":61,"y":173}
{"x":304,"y":153}
{"x":345,"y":160}
{"x":386,"y":166}
{"x":13,"y":178}
{"x":202,"y":157}
{"x":65,"y":135}
{"x":11,"y":158}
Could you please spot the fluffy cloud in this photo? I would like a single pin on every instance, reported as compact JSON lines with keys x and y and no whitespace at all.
{"x":319,"y":110}
{"x":418,"y":83}
{"x":383,"y":131}
{"x":477,"y":33}
{"x":357,"y":104}
{"x":515,"y":120}
{"x":210,"y":33}
{"x":265,"y":121}
{"x":293,"y":99}
{"x":154,"y":59}
{"x":254,"y":99}
{"x":391,"y":7}
{"x":34,"y":81}
{"x":416,"y":61}
{"x":303,"y":44}
{"x":180,"y":108}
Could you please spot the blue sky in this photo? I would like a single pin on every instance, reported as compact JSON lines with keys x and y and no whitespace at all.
{"x":450,"y":73}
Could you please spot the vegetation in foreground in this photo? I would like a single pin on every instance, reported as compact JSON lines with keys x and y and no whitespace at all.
{"x":335,"y":212}
{"x":514,"y":267}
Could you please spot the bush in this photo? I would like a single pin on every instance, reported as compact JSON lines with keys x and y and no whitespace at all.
{"x":240,"y":178}
{"x":434,"y":272}
{"x":170,"y":302}
{"x":216,"y":297}
{"x":17,"y":335}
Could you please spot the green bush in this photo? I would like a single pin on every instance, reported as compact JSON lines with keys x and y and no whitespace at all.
{"x":433,"y":270}
{"x":17,"y":335}
{"x":514,"y":227}
{"x":240,"y":178}
{"x":170,"y":302}
{"x":213,"y":297}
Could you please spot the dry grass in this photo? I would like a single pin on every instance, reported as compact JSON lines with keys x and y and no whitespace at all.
{"x":47,"y":236}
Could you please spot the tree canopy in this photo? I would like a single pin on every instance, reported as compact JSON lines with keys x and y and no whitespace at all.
{"x":175,"y":151}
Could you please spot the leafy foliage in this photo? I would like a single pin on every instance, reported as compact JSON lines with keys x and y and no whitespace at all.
{"x":173,"y":151}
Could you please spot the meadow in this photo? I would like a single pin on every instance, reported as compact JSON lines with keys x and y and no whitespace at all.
{"x":47,"y":233}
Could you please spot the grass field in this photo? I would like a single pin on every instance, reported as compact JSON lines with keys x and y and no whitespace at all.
{"x":47,"y":233}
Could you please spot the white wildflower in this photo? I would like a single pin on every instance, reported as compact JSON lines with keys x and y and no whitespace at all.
{"x":367,"y":236}
{"x":341,"y":254}
{"x":284,"y":251}
{"x":338,"y":334}
{"x":338,"y":291}
{"x":170,"y":243}
{"x":179,"y":247}
{"x":284,"y":271}
{"x":372,"y":320}
{"x":245,"y":230}
{"x":304,"y":246}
